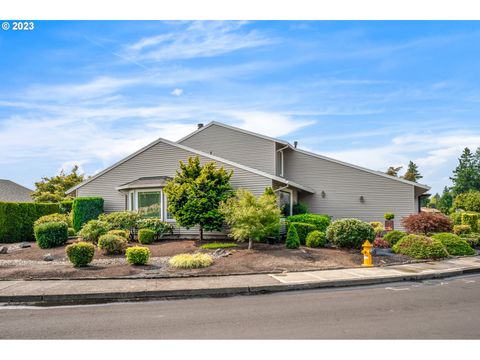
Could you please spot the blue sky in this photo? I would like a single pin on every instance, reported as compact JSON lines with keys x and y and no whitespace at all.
{"x":371,"y":93}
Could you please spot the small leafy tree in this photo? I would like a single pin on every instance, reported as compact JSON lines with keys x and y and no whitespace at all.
{"x":250,"y":218}
{"x":469,"y":201}
{"x":52,"y":189}
{"x":393,"y":171}
{"x":195,"y":193}
{"x":412,"y":173}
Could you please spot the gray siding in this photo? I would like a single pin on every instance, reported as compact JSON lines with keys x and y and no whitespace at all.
{"x":235,"y":146}
{"x":159,"y":160}
{"x":343,"y":187}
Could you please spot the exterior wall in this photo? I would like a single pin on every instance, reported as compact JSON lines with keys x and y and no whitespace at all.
{"x":235,"y":146}
{"x":343,"y":187}
{"x":161,"y":159}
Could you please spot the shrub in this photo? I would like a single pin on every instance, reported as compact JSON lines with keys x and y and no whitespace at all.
{"x":16,"y":219}
{"x":80,"y":253}
{"x":420,"y":247}
{"x":191,"y":261}
{"x":462,"y":229}
{"x":380,"y":243}
{"x":377,"y":227}
{"x":51,"y":234}
{"x":468,"y":201}
{"x":456,"y":217}
{"x":303,"y":229}
{"x":424,"y":223}
{"x":159,"y":227}
{"x":217,"y":245}
{"x":292,"y":241}
{"x":146,"y":236}
{"x":71,"y":232}
{"x":299,"y":208}
{"x":350,"y":233}
{"x":85,"y":209}
{"x":389,"y":216}
{"x":321,"y":222}
{"x":120,"y":220}
{"x":392,"y":237}
{"x":315,"y":239}
{"x":455,"y":245}
{"x":53,"y":218}
{"x":112,"y":244}
{"x":123,"y":233}
{"x":471,"y":219}
{"x":473,"y":239}
{"x":66,"y":206}
{"x":137,"y":255}
{"x":92,"y":230}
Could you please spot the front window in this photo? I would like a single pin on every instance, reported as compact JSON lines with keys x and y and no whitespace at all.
{"x":285,"y":202}
{"x":149,"y":204}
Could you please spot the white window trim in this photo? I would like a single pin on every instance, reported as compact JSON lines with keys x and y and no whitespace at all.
{"x":163,"y":199}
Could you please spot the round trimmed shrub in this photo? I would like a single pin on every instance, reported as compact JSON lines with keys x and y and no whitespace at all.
{"x":137,"y":255}
{"x":93,"y":229}
{"x":315,"y":239}
{"x":461,"y":229}
{"x":377,"y":227}
{"x":80,"y":253}
{"x":71,"y":232}
{"x":191,"y":261}
{"x":53,"y":218}
{"x":350,"y":233}
{"x":112,"y":244}
{"x":392,"y":237}
{"x":389,"y":216}
{"x":455,"y":245}
{"x":121,"y":220}
{"x":51,"y":234}
{"x":303,"y":229}
{"x":146,"y":236}
{"x":123,"y":233}
{"x":420,"y":247}
{"x":292,"y":241}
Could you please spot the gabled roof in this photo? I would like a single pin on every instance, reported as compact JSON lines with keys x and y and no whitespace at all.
{"x":145,"y":182}
{"x":13,"y":192}
{"x":201,"y":153}
{"x":286,"y":143}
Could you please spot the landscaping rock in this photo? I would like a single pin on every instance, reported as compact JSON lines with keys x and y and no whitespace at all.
{"x":48,"y":257}
{"x":24,"y":245}
{"x":382,"y":252}
{"x":221,"y":253}
{"x":3,"y":249}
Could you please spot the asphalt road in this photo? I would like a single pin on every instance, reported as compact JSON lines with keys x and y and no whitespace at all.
{"x":439,"y":309}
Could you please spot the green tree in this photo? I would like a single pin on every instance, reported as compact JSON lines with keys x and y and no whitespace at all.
{"x":468,"y":201}
{"x":195,"y":193}
{"x":393,"y":171}
{"x":445,"y":201}
{"x":466,"y":176}
{"x":52,"y":189}
{"x":250,"y":218}
{"x":412,"y":173}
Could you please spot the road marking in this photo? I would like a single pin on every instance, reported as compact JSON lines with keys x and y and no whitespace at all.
{"x":396,"y":288}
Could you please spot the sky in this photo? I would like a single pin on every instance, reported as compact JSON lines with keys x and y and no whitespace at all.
{"x":374,"y":94}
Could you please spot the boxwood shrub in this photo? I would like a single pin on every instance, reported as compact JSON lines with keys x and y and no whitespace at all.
{"x":462,"y":229}
{"x":292,"y":241}
{"x":92,"y":230}
{"x":85,"y":209}
{"x":392,"y":237}
{"x":303,"y":229}
{"x":137,"y":255}
{"x":123,"y":233}
{"x":350,"y":233}
{"x":112,"y":244}
{"x":471,"y":219}
{"x":51,"y":234}
{"x":121,"y":220}
{"x":16,"y":219}
{"x":473,"y":239}
{"x":315,"y":239}
{"x":420,"y":247}
{"x":455,"y":245}
{"x":320,"y":221}
{"x":146,"y":236}
{"x":53,"y":218}
{"x":80,"y":253}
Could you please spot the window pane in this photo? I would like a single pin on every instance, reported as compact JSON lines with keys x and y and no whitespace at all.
{"x":284,"y":198}
{"x":149,"y":204}
{"x":168,"y":216}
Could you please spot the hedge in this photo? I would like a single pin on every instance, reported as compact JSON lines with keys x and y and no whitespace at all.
{"x":320,"y":221}
{"x":66,"y":206}
{"x":86,"y":209}
{"x":51,"y":234}
{"x":303,"y":229}
{"x":16,"y":219}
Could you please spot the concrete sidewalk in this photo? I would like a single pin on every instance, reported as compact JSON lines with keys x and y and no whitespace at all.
{"x":83,"y":291}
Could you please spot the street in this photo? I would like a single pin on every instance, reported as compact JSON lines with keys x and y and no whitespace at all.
{"x":432,"y":309}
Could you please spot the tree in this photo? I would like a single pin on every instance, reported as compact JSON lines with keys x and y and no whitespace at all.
{"x":195,"y":193}
{"x":393,"y":171}
{"x":250,"y":218}
{"x":445,"y":202}
{"x":466,"y":175}
{"x":469,"y":201}
{"x":52,"y":189}
{"x":412,"y":173}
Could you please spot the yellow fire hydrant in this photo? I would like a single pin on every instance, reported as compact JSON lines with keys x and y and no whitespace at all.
{"x":367,"y":255}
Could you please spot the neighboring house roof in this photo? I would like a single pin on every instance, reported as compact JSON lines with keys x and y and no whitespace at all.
{"x":201,"y":153}
{"x":379,"y":173}
{"x":13,"y":192}
{"x":145,"y":182}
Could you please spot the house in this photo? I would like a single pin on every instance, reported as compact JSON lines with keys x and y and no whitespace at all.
{"x":13,"y":192}
{"x":325,"y":185}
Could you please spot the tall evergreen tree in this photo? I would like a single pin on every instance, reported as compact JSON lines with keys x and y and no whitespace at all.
{"x":412,"y":173}
{"x":465,"y":176}
{"x":445,"y":202}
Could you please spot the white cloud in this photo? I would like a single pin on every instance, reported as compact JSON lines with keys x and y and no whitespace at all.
{"x":177,"y":92}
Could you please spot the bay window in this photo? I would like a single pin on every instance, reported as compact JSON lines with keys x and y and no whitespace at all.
{"x":149,"y":203}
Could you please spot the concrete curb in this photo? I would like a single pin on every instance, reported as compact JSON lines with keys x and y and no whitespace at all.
{"x":117,"y":296}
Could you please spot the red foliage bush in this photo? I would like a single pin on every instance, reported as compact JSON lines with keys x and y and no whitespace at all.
{"x":424,"y":223}
{"x":380,"y":243}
